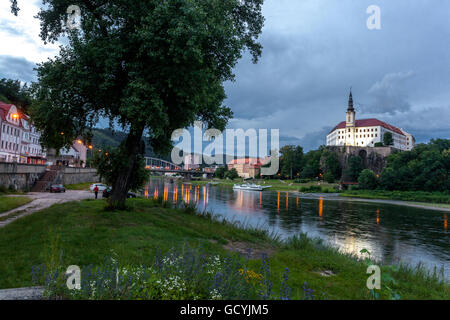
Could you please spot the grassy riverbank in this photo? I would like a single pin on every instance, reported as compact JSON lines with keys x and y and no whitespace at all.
{"x":413,"y":196}
{"x":9,"y":203}
{"x":79,"y":186}
{"x":278,"y":185}
{"x":86,"y":234}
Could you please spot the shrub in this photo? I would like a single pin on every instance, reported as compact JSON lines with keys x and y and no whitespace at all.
{"x":231,"y":174}
{"x":329,"y":177}
{"x":368,"y":180}
{"x":378,"y":144}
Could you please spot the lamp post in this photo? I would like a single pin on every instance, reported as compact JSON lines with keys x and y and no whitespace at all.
{"x":15,"y":116}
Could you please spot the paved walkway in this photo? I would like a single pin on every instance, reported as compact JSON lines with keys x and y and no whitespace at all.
{"x":30,"y":293}
{"x":41,"y":201}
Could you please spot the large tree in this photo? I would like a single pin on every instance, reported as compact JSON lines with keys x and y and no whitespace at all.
{"x":291,"y":160}
{"x":151,"y":66}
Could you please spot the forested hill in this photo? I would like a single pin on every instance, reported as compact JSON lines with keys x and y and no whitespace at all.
{"x":108,"y":138}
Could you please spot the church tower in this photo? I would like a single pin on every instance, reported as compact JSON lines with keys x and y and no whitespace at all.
{"x":350,"y":120}
{"x":350,"y":123}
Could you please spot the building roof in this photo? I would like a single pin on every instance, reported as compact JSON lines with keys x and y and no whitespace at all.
{"x":251,"y":161}
{"x":370,"y":123}
{"x":4,"y":110}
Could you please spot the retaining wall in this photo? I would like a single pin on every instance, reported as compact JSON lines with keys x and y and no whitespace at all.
{"x":19,"y":176}
{"x":23,"y":176}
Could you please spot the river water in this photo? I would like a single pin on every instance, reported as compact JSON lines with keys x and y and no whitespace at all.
{"x":391,"y":233}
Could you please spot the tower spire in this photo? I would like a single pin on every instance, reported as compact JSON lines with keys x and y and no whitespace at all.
{"x":350,"y":101}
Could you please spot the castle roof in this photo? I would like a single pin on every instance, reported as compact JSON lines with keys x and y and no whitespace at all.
{"x":370,"y":123}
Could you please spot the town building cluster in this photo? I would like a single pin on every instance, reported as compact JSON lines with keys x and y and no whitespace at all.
{"x":20,"y":142}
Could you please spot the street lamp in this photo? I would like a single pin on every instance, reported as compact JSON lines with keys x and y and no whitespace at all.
{"x":16,"y":116}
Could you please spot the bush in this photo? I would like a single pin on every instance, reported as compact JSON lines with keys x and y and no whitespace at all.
{"x":329,"y":177}
{"x":220,"y":172}
{"x":183,"y":274}
{"x":231,"y":174}
{"x":311,"y":189}
{"x":302,"y":180}
{"x":368,"y":180}
{"x":378,"y":144}
{"x":354,"y":167}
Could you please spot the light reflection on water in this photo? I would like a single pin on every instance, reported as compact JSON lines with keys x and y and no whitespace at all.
{"x":391,"y":233}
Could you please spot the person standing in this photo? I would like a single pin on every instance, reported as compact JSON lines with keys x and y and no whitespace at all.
{"x":96,"y":192}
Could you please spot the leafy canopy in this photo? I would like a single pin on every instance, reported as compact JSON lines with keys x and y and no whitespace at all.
{"x":152,"y":66}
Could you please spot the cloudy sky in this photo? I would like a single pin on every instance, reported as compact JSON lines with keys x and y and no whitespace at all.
{"x":314,"y":51}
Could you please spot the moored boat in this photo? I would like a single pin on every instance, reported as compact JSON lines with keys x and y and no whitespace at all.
{"x":250,"y":187}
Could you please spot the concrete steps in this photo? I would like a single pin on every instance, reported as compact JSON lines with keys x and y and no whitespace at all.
{"x":46,"y":180}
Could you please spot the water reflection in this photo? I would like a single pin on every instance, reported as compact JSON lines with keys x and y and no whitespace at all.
{"x":406,"y":234}
{"x":321,"y":207}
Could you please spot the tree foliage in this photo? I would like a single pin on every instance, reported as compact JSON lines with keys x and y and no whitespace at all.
{"x":425,"y":168}
{"x":220,"y":172}
{"x":109,"y":160}
{"x":150,"y":66}
{"x":367,"y":180}
{"x":333,"y":169}
{"x":14,"y":92}
{"x":291,"y":161}
{"x":354,"y":167}
{"x":231,"y":174}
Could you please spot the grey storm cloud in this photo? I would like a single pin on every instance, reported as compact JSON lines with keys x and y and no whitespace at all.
{"x":17,"y":68}
{"x":389,"y":95}
{"x":315,"y":50}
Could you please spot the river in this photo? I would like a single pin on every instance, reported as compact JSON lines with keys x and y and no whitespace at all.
{"x":391,"y":233}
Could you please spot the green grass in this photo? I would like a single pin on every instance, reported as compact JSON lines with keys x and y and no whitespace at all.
{"x":79,"y":186}
{"x":88,"y":234}
{"x":9,"y":203}
{"x":414,"y":196}
{"x":277,"y":185}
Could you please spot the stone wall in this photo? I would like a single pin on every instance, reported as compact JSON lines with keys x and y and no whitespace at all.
{"x":78,"y":175}
{"x":23,"y":176}
{"x":372,"y":158}
{"x":19,"y":176}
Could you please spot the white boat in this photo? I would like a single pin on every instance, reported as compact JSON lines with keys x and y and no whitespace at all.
{"x":250,"y":187}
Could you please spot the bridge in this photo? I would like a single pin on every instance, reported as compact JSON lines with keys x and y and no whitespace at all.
{"x":164,"y":166}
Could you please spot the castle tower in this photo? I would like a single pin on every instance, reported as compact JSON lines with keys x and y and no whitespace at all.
{"x":350,"y":120}
{"x":350,"y":123}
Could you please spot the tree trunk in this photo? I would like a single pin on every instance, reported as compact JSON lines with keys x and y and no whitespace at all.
{"x":122,"y":184}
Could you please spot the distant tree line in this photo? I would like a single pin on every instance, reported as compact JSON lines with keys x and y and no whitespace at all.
{"x":425,"y":168}
{"x":321,"y":163}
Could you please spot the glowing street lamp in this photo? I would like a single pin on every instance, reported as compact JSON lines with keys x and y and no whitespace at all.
{"x":15,"y":116}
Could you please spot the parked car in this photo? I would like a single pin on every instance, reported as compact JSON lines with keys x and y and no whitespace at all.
{"x":100,"y":187}
{"x":107,"y":192}
{"x":57,"y":188}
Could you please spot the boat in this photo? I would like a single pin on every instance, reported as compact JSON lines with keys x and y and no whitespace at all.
{"x":250,"y":187}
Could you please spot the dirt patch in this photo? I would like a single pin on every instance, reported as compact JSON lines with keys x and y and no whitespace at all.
{"x":326,"y":273}
{"x":253,"y":250}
